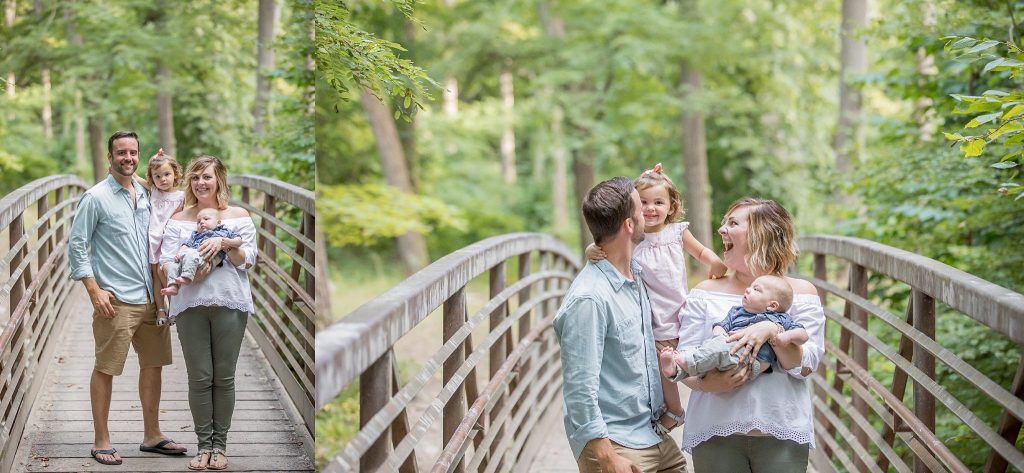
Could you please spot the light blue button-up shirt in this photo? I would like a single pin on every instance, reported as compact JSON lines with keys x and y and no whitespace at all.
{"x":611,"y":383}
{"x":109,"y":241}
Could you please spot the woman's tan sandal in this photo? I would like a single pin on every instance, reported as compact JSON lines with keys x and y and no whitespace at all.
{"x":215,"y":458}
{"x":203,"y":461}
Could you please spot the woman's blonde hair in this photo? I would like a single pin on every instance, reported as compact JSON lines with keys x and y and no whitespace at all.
{"x":160,"y":160}
{"x":771,"y":239}
{"x":195,"y":168}
{"x":654,"y":177}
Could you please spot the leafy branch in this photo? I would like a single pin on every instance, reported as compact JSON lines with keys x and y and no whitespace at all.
{"x":1002,"y":112}
{"x":351,"y":57}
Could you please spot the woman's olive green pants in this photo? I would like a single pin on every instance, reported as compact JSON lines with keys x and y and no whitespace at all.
{"x":211,"y":338}
{"x":749,"y":454}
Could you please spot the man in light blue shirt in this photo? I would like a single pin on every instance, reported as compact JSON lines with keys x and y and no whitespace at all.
{"x":108,"y":251}
{"x":611,"y":382}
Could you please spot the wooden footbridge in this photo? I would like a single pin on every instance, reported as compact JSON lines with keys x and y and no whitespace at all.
{"x":46,"y":348}
{"x":486,"y":396}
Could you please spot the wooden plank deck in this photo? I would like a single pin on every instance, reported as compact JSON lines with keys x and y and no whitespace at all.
{"x":267,"y":433}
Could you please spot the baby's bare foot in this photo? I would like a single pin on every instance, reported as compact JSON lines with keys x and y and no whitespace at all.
{"x":669,"y":365}
{"x":170,"y":290}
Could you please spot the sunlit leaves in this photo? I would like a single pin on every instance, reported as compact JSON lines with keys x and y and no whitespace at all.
{"x":999,"y":109}
{"x":350,"y":57}
{"x":363,"y":215}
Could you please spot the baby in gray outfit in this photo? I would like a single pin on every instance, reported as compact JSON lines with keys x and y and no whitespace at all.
{"x":188,"y":260}
{"x":767,"y":298}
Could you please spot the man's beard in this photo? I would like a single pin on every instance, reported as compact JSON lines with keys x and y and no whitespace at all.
{"x":638,"y":232}
{"x":121,"y":170}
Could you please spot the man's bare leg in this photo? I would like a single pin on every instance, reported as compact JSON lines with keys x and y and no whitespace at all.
{"x":150,"y":384}
{"x":100,"y":387}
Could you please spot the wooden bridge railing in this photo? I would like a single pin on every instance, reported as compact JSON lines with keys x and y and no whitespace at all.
{"x":863,"y":422}
{"x":34,"y":285}
{"x":486,"y":425}
{"x":284,"y":282}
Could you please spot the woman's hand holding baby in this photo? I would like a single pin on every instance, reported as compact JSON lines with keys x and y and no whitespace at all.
{"x":210,"y":247}
{"x":750,"y":339}
{"x":715,"y":381}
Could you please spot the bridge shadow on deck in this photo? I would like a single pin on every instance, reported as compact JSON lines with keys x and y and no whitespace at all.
{"x":267,"y":433}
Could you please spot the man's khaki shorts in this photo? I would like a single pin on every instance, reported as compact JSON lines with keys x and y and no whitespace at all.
{"x":664,"y":457}
{"x":133,"y":324}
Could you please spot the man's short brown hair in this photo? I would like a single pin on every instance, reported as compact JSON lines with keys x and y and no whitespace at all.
{"x":606,"y":206}
{"x":118,"y":135}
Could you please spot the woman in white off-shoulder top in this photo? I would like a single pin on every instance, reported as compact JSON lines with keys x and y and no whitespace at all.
{"x":764,"y":425}
{"x":212,"y":312}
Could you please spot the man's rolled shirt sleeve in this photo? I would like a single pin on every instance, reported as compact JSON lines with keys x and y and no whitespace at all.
{"x":78,"y":239}
{"x":581,"y":335}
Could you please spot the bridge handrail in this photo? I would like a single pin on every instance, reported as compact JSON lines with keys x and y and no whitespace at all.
{"x":284,"y":289}
{"x":995,"y":306}
{"x":35,"y":285}
{"x":913,"y":360}
{"x":523,"y":374}
{"x":380,"y":322}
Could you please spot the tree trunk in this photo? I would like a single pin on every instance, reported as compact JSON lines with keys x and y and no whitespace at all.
{"x":407,"y":129}
{"x":311,"y":66}
{"x":99,"y":152}
{"x":559,"y":196}
{"x":82,"y":161}
{"x":10,"y":6}
{"x":81,"y":155}
{"x":583,"y":170}
{"x":47,"y":113}
{"x":555,"y":28}
{"x":696,"y":186}
{"x":412,"y":248}
{"x":853,"y":62}
{"x":265,"y":64}
{"x":165,"y":110}
{"x":508,"y":136}
{"x":927,"y":122}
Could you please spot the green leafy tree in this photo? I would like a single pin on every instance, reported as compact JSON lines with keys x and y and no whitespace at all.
{"x":996,"y":113}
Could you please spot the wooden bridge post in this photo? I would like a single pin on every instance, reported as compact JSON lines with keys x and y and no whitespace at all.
{"x":859,"y":286}
{"x":525,"y":268}
{"x":374,"y":393}
{"x":544,"y":264}
{"x":1009,"y":426}
{"x":15,"y":234}
{"x":59,"y":217}
{"x":899,"y":389}
{"x":309,"y":284}
{"x":498,"y":353}
{"x":924,"y":401}
{"x":43,"y":206}
{"x":455,"y":409}
{"x":821,"y":272}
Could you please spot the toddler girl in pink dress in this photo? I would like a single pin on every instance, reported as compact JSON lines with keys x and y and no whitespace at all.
{"x":163,"y":175}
